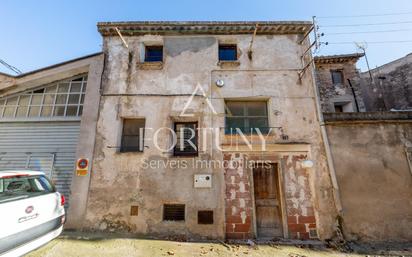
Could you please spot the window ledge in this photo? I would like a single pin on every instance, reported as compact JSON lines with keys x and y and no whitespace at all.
{"x":228,"y":63}
{"x":150,"y":65}
{"x":130,"y":153}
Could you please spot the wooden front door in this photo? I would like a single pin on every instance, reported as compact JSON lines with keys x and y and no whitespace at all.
{"x":267,"y":201}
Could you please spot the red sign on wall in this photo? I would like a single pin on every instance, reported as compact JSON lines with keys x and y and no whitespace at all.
{"x":82,"y":167}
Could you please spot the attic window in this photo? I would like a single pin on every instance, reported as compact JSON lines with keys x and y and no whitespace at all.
{"x":153,"y":54}
{"x":337,"y":77}
{"x":227,"y":52}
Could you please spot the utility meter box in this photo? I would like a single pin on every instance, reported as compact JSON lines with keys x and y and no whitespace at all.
{"x":203,"y":181}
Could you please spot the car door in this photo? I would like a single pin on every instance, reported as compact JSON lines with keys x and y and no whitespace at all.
{"x":29,"y":208}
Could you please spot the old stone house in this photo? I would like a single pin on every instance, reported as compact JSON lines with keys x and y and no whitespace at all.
{"x":163,"y":77}
{"x":388,"y":87}
{"x":337,"y":79}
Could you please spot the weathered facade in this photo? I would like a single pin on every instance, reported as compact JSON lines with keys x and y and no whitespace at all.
{"x":128,"y":110}
{"x":190,"y":83}
{"x":388,"y":87}
{"x":372,"y":154}
{"x":337,"y":79}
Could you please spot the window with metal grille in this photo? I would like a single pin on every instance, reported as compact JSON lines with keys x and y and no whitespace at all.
{"x":337,"y":77}
{"x":186,"y":139}
{"x":64,"y":98}
{"x":153,"y":54}
{"x":133,"y":135}
{"x":227,"y":52}
{"x":174,"y":212}
{"x":205,"y":217}
{"x":246,"y":116}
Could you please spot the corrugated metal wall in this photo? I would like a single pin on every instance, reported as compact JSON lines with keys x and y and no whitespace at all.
{"x":46,"y":146}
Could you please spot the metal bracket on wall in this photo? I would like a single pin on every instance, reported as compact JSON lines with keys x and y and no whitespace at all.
{"x":121,"y":37}
{"x":315,"y":44}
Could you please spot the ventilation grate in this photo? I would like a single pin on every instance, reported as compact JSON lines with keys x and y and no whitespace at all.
{"x":313,"y":233}
{"x":134,"y":210}
{"x":174,"y":212}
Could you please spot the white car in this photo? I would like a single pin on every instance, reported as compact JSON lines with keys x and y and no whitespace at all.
{"x":31,"y":212}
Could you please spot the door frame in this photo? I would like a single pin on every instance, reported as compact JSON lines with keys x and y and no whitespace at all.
{"x":282,"y":201}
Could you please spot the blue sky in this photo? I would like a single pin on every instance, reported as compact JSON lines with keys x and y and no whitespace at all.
{"x":36,"y":33}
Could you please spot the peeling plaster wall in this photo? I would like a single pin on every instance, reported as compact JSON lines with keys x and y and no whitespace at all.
{"x":376,"y":186}
{"x":159,"y":95}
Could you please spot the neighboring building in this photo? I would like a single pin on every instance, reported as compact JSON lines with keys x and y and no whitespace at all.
{"x":42,"y":114}
{"x":336,"y":77}
{"x":174,"y":76}
{"x":390,"y":87}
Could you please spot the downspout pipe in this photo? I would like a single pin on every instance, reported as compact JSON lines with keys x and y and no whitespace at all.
{"x":329,"y":157}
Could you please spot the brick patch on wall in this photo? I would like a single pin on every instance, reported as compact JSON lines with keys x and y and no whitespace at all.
{"x":238,"y":198}
{"x":300,"y":214}
{"x":238,"y":201}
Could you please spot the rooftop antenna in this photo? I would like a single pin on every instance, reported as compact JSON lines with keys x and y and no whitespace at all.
{"x":363,"y":46}
{"x":10,"y":67}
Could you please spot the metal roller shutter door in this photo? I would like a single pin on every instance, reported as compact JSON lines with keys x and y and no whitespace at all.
{"x":45,"y":146}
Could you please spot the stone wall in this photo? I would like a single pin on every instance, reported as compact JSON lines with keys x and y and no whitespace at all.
{"x":330,"y":93}
{"x":391,"y":87}
{"x":131,"y":89}
{"x":374,"y":175}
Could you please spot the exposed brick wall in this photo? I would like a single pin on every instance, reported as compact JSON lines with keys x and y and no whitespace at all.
{"x":239,"y":208}
{"x":300,"y":213}
{"x":238,"y":198}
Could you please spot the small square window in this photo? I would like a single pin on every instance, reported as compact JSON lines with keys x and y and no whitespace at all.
{"x":338,"y":108}
{"x":134,"y":210}
{"x":133,"y":135}
{"x":186,"y":139}
{"x":21,"y":111}
{"x":153,"y":54}
{"x":337,"y":77}
{"x":46,"y":111}
{"x":227,"y":52}
{"x":205,"y":217}
{"x":343,"y":107}
{"x":174,"y":212}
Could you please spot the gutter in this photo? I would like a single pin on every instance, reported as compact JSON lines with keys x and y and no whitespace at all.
{"x":329,"y":157}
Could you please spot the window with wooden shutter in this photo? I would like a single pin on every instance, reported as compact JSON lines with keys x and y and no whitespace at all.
{"x":133,"y":135}
{"x":186,"y":139}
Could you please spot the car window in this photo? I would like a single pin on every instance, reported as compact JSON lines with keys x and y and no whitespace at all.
{"x":18,"y":187}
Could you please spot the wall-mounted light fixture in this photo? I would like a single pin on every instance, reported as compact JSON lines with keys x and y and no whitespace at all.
{"x":307,"y":164}
{"x":220,"y":83}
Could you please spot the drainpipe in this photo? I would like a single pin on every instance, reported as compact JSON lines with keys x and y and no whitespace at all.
{"x":332,"y":171}
{"x":354,"y":95}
